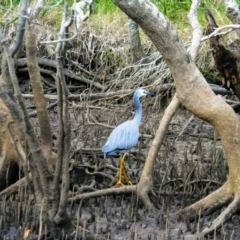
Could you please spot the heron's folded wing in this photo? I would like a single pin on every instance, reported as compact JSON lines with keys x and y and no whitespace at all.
{"x":123,"y":137}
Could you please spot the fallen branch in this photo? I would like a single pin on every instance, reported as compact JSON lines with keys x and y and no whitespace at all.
{"x":104,"y":192}
{"x":217,"y":32}
{"x":14,"y":187}
{"x":22,"y":62}
{"x":108,"y":95}
{"x":91,"y":96}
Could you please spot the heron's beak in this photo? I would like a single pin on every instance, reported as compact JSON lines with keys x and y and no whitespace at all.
{"x":150,"y":94}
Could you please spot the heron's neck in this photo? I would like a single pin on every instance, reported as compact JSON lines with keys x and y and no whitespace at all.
{"x":138,"y":114}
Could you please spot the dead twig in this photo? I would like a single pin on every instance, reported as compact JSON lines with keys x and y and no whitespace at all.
{"x":104,"y":192}
{"x":109,"y":95}
{"x":14,"y":187}
{"x":68,"y":73}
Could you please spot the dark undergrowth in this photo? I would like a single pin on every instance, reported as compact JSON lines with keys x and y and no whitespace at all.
{"x":190,"y":164}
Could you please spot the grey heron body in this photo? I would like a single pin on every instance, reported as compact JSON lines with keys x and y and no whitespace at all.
{"x":125,"y":136}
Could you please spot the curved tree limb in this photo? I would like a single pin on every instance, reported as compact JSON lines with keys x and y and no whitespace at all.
{"x":206,"y":205}
{"x":145,"y":184}
{"x":223,"y":217}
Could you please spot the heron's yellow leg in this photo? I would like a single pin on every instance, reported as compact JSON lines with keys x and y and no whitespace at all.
{"x":126,"y":176}
{"x":122,"y":171}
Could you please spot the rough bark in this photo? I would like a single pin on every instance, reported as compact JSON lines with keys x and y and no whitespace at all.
{"x":37,"y":88}
{"x":135,"y":41}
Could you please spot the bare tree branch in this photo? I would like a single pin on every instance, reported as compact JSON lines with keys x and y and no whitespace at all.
{"x":223,"y":217}
{"x":233,"y":12}
{"x":36,"y":9}
{"x":217,"y":32}
{"x":78,"y":9}
{"x":80,"y":17}
{"x":20,"y":28}
{"x":196,"y":28}
{"x":64,"y":137}
{"x":109,"y":191}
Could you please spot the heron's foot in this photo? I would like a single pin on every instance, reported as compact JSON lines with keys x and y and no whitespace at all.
{"x":123,"y":172}
{"x":123,"y":179}
{"x":121,"y":184}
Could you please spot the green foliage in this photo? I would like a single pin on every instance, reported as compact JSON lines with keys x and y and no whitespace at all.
{"x":177,"y":11}
{"x":106,"y":12}
{"x":10,"y":3}
{"x":105,"y":6}
{"x":172,"y":8}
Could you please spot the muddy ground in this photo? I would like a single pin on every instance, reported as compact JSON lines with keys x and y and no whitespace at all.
{"x":190,"y":165}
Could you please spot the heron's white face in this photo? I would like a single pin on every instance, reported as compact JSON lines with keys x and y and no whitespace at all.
{"x":141,"y":92}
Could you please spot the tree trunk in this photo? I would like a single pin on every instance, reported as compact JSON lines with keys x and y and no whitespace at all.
{"x":135,"y":41}
{"x":37,"y":88}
